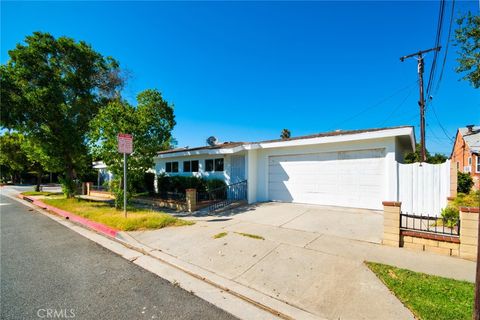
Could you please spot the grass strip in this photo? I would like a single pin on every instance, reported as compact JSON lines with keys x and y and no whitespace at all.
{"x":428,"y":297}
{"x":137,"y":219}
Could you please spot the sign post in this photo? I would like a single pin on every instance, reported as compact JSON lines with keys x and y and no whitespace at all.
{"x":125,"y":146}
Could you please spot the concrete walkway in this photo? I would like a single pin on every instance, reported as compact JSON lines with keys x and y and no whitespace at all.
{"x":307,"y":258}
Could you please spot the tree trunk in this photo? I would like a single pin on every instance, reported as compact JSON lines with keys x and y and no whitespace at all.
{"x":39,"y":181}
{"x":70,"y":175}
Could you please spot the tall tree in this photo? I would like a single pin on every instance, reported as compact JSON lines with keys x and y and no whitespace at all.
{"x":150,"y":122}
{"x":50,"y":89}
{"x":468,"y":40}
{"x":285,"y":134}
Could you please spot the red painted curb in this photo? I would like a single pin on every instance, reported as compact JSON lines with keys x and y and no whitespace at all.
{"x":88,"y":223}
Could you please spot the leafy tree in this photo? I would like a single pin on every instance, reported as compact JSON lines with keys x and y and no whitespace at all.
{"x":464,"y":182}
{"x":150,"y":123}
{"x":412,"y":157}
{"x":12,"y":159}
{"x":38,"y":161}
{"x":20,"y":154}
{"x":468,"y":40}
{"x":50,"y":89}
{"x":285,"y":134}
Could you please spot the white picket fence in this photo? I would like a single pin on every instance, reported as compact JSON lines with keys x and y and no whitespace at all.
{"x":424,"y":188}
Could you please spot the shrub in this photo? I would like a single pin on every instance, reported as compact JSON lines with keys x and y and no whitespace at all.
{"x":69,"y":187}
{"x":467,"y":200}
{"x":179,"y":184}
{"x":465,"y":182}
{"x":149,"y":179}
{"x":213,"y":184}
{"x":117,"y":189}
{"x":450,"y":216}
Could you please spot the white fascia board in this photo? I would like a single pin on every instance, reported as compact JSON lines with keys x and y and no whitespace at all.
{"x":201,"y":152}
{"x":407,"y":131}
{"x":99,"y":165}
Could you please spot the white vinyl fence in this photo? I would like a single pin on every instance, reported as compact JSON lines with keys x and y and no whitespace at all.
{"x":423,"y":188}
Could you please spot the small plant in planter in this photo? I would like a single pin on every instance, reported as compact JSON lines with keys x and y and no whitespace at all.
{"x":450,"y":216}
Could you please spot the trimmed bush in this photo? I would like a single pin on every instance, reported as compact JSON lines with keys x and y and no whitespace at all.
{"x":465,"y":182}
{"x":179,"y":184}
{"x":450,"y":216}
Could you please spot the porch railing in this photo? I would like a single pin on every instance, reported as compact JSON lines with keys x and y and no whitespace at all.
{"x":429,"y":224}
{"x":224,"y":196}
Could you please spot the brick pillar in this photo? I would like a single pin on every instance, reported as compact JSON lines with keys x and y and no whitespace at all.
{"x":391,"y":223}
{"x":453,"y":179}
{"x":191,"y":197}
{"x":469,"y":232}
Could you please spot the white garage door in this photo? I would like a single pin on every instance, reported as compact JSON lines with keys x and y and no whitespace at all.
{"x":350,"y":179}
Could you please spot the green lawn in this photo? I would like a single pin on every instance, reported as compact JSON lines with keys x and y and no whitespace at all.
{"x":137,"y":219}
{"x":41,"y":193}
{"x":428,"y":297}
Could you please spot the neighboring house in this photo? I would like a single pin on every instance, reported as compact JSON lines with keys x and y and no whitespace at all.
{"x":103,"y":175}
{"x":355,"y":168}
{"x":466,"y":151}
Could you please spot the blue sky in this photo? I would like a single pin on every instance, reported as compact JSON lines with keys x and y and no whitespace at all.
{"x":243,"y":71}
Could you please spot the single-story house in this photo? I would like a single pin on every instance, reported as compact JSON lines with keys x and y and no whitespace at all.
{"x":356,"y":168}
{"x":103,"y":174}
{"x":466,"y":153}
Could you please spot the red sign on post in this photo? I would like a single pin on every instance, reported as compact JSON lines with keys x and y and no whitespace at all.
{"x":125,"y":143}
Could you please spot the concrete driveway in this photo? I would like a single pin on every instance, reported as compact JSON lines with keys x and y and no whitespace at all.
{"x":311,"y":256}
{"x":348,"y":223}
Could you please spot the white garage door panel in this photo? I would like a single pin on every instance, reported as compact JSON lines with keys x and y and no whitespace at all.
{"x":350,"y":178}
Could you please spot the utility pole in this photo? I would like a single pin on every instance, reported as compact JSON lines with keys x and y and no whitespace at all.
{"x":421,"y":101}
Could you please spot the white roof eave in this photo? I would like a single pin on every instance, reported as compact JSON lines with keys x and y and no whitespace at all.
{"x":387,"y":133}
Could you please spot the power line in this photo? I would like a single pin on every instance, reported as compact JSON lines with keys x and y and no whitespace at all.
{"x":446,"y":47}
{"x":438,"y":37}
{"x":397,"y":107}
{"x":376,"y":104}
{"x":440,"y":124}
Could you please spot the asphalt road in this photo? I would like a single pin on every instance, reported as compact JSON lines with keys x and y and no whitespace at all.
{"x":47,"y":266}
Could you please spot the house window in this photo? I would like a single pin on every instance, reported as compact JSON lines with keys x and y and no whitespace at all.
{"x":218,"y":164}
{"x":478,"y":164}
{"x":194,"y":165}
{"x":171,"y":167}
{"x":458,"y":165}
{"x":186,"y":166}
{"x":190,"y":166}
{"x":469,"y":161}
{"x":209,"y":165}
{"x":214,"y":164}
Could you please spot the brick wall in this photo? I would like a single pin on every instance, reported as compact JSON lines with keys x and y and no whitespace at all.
{"x":469,"y":232}
{"x":464,"y":246}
